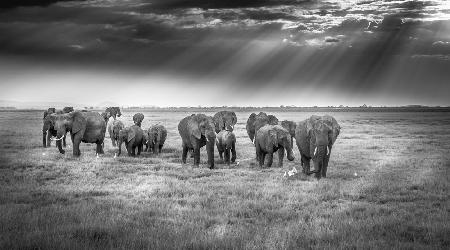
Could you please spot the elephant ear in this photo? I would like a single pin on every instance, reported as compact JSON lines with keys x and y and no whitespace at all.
{"x":272,"y":140}
{"x":131,"y":134}
{"x":194,"y":128}
{"x":78,"y":123}
{"x":335,"y":129}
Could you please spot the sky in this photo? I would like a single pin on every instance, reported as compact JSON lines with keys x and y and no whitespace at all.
{"x":226,"y":52}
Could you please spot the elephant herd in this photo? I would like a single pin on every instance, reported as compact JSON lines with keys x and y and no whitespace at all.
{"x":314,"y":136}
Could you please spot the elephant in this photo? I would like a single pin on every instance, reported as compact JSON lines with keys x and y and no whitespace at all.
{"x":196,"y":131}
{"x":256,"y":121}
{"x":156,"y":136}
{"x":315,"y":137}
{"x":290,"y":126}
{"x":224,"y":120}
{"x":138,"y":118}
{"x":88,"y":127}
{"x":272,"y":138}
{"x":226,"y":142}
{"x":48,"y":129}
{"x":114,"y":127}
{"x":113,"y":111}
{"x":133,"y":137}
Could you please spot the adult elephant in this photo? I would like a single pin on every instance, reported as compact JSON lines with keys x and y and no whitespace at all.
{"x":290,"y":127}
{"x":48,"y":129}
{"x":197,"y":131}
{"x":88,"y":127}
{"x":138,"y":118}
{"x":272,"y":138}
{"x":113,"y":130}
{"x":224,"y":120}
{"x":257,"y":121}
{"x":315,"y":137}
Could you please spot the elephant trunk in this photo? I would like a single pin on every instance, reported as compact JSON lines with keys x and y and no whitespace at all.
{"x":210,"y":152}
{"x":320,"y":152}
{"x":59,"y":136}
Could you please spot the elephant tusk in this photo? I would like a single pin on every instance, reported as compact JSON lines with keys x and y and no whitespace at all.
{"x":315,"y":151}
{"x":328,"y":150}
{"x":217,"y":140}
{"x":62,"y":137}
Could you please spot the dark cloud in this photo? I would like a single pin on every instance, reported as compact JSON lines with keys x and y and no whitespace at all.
{"x":259,"y":43}
{"x":17,"y":3}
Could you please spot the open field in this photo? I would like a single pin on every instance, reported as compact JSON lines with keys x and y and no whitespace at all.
{"x":387,"y":187}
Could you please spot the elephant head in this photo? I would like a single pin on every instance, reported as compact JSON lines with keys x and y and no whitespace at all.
{"x":257,"y":121}
{"x":113,"y":111}
{"x":279,"y":137}
{"x":224,"y":120}
{"x":67,"y":109}
{"x":106,"y":116}
{"x":73,"y":122}
{"x":49,"y":111}
{"x":138,"y":118}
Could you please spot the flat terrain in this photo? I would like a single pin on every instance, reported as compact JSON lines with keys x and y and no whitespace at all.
{"x":387,"y":187}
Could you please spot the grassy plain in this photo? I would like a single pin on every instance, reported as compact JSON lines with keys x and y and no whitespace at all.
{"x":387,"y":187}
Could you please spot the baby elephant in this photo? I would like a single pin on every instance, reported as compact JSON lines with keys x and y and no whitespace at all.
{"x":226,"y":141}
{"x":156,"y":136}
{"x":114,"y":128}
{"x":133,"y":138}
{"x":269,"y":139}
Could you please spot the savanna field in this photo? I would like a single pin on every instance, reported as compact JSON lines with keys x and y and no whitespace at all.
{"x":387,"y":187}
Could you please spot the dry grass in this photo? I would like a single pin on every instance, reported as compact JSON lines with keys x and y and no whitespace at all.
{"x":399,"y":197}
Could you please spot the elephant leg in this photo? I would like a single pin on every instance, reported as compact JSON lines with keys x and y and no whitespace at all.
{"x":261,"y":156}
{"x":220,"y":154}
{"x":160,"y":148}
{"x":64,"y":141}
{"x":139,"y":149}
{"x":113,"y":141}
{"x":280,"y":157}
{"x":129,"y":148}
{"x":49,"y":137}
{"x":196,"y":156}
{"x":99,"y":148}
{"x":269,"y":159}
{"x":227,"y":156}
{"x":233,"y":153}
{"x":76,"y":145}
{"x":44,"y":141}
{"x":184,"y":155}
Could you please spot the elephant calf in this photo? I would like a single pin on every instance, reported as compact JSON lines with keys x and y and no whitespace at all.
{"x":155,"y":138}
{"x":268,"y":140}
{"x":133,"y":138}
{"x":226,"y":142}
{"x":114,"y":128}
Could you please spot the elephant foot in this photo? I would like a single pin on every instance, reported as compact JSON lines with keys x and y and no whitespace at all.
{"x":62,"y":151}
